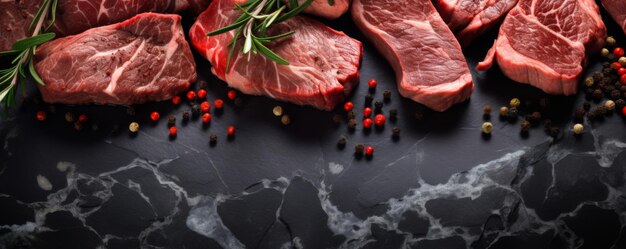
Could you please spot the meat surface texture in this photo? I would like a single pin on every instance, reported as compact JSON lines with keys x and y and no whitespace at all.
{"x":546,"y":43}
{"x":198,"y":6}
{"x":15,"y":17}
{"x":324,"y":9}
{"x":617,"y":9}
{"x":324,"y":63}
{"x":429,"y":65}
{"x":145,"y":58}
{"x":470,"y":18}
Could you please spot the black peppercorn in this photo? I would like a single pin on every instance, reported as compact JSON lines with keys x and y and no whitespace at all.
{"x":597,"y":76}
{"x":419,"y":116}
{"x":579,"y":114}
{"x":387,"y":95}
{"x":555,"y":131}
{"x":589,"y":92}
{"x":591,"y":116}
{"x":607,"y":70}
{"x":352,"y":124}
{"x":342,"y":141}
{"x":587,"y":106}
{"x":622,"y":88}
{"x":202,"y":84}
{"x":358,"y":149}
{"x":487,"y":110}
{"x":615,"y":94}
{"x":395,"y":132}
{"x":336,"y":119}
{"x":597,"y":94}
{"x":600,"y":111}
{"x":171,"y":120}
{"x":378,"y":106}
{"x":195,"y":109}
{"x":212,"y":138}
{"x":393,"y":113}
{"x":513,"y":112}
{"x":351,"y":115}
{"x":368,"y":100}
{"x":186,"y":116}
{"x":535,"y":117}
{"x":525,"y":125}
{"x":606,"y":64}
{"x":619,"y":104}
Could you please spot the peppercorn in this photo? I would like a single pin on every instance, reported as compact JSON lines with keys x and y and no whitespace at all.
{"x":372,"y":83}
{"x":600,"y":111}
{"x":342,"y":141}
{"x":487,"y":127}
{"x":535,"y":117}
{"x":555,"y":131}
{"x":206,"y":118}
{"x":616,"y":65}
{"x":358,"y":149}
{"x":277,"y":111}
{"x":348,"y":106}
{"x":191,"y":95}
{"x":620,"y":103}
{"x":513,"y":112}
{"x":205,"y":106}
{"x":515,"y":102}
{"x":171,"y":120}
{"x":419,"y":116}
{"x":622,"y":60}
{"x":367,"y":123}
{"x":173,"y":131}
{"x":367,"y":112}
{"x":379,"y":120}
{"x":610,"y":41}
{"x":597,"y":94}
{"x":387,"y":96}
{"x":352,"y":124}
{"x":487,"y":109}
{"x":212,"y":138}
{"x":201,"y":94}
{"x":378,"y":106}
{"x":606,"y":64}
{"x":589,"y":81}
{"x":395,"y":132}
{"x":41,"y":116}
{"x":609,"y":105}
{"x":69,"y":117}
{"x":504,"y":111}
{"x":285,"y":119}
{"x":597,"y":76}
{"x":622,"y":70}
{"x":176,"y":100}
{"x":203,"y":84}
{"x":618,"y":52}
{"x":604,"y":52}
{"x":579,"y":114}
{"x":393,"y":113}
{"x":232,"y":94}
{"x":368,"y":100}
{"x":591,"y":116}
{"x":230,"y":131}
{"x":369,"y":151}
{"x":586,"y":106}
{"x":133,"y":127}
{"x":218,"y":103}
{"x":624,"y":111}
{"x":186,"y":116}
{"x":622,"y":79}
{"x":195,"y":110}
{"x":155,"y":116}
{"x":525,"y":125}
{"x":622,"y":88}
{"x":578,"y":129}
{"x":78,"y":126}
{"x":336,"y":119}
{"x":351,"y":115}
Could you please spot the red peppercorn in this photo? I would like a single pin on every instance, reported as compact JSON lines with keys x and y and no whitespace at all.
{"x":173,"y":131}
{"x":616,"y":65}
{"x":219,"y":103}
{"x":367,"y":112}
{"x":618,"y":52}
{"x":380,"y":120}
{"x":232,"y":94}
{"x":176,"y":100}
{"x":206,"y":117}
{"x":205,"y":106}
{"x":369,"y":150}
{"x":372,"y":83}
{"x":230,"y":130}
{"x":155,"y":116}
{"x":202,"y":93}
{"x":348,"y":106}
{"x":367,"y":123}
{"x":624,"y":110}
{"x":622,"y":79}
{"x":621,"y":71}
{"x":82,"y":118}
{"x":41,"y":115}
{"x":191,"y":95}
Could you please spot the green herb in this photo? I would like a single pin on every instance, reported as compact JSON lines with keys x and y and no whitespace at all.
{"x":257,"y":16}
{"x":22,"y":51}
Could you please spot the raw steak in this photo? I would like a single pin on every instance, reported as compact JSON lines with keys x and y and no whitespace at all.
{"x":617,"y":9}
{"x":546,"y":43}
{"x":324,"y":9}
{"x":470,"y":18}
{"x":145,"y":58}
{"x":324,"y":63}
{"x":430,"y":67}
{"x":15,"y":17}
{"x":198,"y":6}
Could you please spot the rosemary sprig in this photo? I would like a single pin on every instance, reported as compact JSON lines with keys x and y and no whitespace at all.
{"x":256,"y":17}
{"x":23,"y":51}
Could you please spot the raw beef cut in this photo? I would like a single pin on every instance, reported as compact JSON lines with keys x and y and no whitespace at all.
{"x":324,"y":9}
{"x":429,"y":65}
{"x":546,"y":43}
{"x":145,"y":58}
{"x":470,"y":18}
{"x":198,"y":6}
{"x":324,"y":63}
{"x":617,"y":9}
{"x":15,"y":17}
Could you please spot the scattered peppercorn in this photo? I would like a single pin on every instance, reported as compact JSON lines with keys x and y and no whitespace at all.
{"x":604,"y":52}
{"x":205,"y":106}
{"x":589,"y":81}
{"x":206,"y":118}
{"x":378,"y":106}
{"x":622,"y":60}
{"x":624,"y":111}
{"x":622,"y":79}
{"x":358,"y":149}
{"x":609,"y":105}
{"x":155,"y":116}
{"x":41,"y":116}
{"x":487,"y":110}
{"x":579,"y":114}
{"x":351,"y":115}
{"x":352,"y":124}
{"x":173,"y":131}
{"x":535,"y":117}
{"x":78,"y":126}
{"x":277,"y":111}
{"x":171,"y":120}
{"x":616,"y":65}
{"x":578,"y":129}
{"x":218,"y":103}
{"x":367,"y":112}
{"x":232,"y":94}
{"x":195,"y":110}
{"x":203,"y":84}
{"x":336,"y":119}
{"x":368,"y":100}
{"x":348,"y":106}
{"x":504,"y":111}
{"x":285,"y":119}
{"x":369,"y":151}
{"x":230,"y":131}
{"x":191,"y":95}
{"x":176,"y":100}
{"x":202,"y":94}
{"x":587,"y":106}
{"x":395,"y":132}
{"x":387,"y":95}
{"x":186,"y":116}
{"x":555,"y":131}
{"x":515,"y":102}
{"x":133,"y":127}
{"x":591,"y":116}
{"x":600,"y":111}
{"x":597,"y":94}
{"x":367,"y":123}
{"x":525,"y":125}
{"x":212,"y":138}
{"x":610,"y":41}
{"x":618,"y":52}
{"x":342,"y":141}
{"x":393,"y":113}
{"x":622,"y":70}
{"x":372,"y":83}
{"x":513,"y":112}
{"x":620,"y":103}
{"x":487,"y":127}
{"x":69,"y":117}
{"x":380,"y":119}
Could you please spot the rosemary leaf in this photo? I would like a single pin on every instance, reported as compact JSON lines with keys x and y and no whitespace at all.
{"x":33,"y":41}
{"x":268,"y":53}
